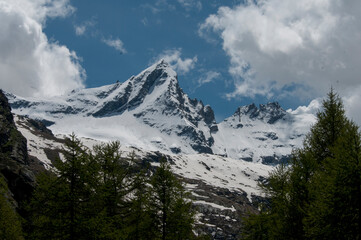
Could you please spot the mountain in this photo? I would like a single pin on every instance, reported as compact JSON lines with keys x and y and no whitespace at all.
{"x":221,"y":163}
{"x":264,"y":134}
{"x":151,"y":111}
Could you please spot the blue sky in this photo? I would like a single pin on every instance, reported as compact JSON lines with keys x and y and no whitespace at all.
{"x":227,"y":53}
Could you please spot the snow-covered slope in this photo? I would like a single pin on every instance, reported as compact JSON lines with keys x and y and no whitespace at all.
{"x":222,"y":189}
{"x":266,"y":134}
{"x":150,"y":111}
{"x":211,"y":169}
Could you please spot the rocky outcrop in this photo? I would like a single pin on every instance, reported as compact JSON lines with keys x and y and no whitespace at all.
{"x":15,"y":164}
{"x":269,"y":113}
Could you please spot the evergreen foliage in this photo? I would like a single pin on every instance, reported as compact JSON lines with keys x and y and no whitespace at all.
{"x":171,"y":213}
{"x":112,"y":187}
{"x":318,"y":196}
{"x":10,"y":225}
{"x":62,"y":206}
{"x":102,"y":195}
{"x":139,"y":222}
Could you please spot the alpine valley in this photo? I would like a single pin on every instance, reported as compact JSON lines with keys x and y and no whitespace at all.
{"x":150,"y":115}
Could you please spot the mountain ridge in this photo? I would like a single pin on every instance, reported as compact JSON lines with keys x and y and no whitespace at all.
{"x":151,"y":111}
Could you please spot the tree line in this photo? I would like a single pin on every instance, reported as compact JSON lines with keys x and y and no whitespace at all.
{"x":318,"y":195}
{"x":100,"y":194}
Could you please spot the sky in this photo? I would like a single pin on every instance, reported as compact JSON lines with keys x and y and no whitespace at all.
{"x":226,"y":53}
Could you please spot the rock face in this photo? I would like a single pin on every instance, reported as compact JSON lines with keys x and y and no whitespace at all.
{"x":15,"y":164}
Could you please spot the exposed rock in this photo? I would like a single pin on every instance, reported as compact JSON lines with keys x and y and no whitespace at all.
{"x":274,"y":160}
{"x":270,"y":113}
{"x":15,"y":164}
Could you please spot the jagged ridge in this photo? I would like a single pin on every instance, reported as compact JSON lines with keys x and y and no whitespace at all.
{"x":151,"y":111}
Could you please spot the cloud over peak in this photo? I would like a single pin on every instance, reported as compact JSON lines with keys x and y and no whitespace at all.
{"x":173,"y":57}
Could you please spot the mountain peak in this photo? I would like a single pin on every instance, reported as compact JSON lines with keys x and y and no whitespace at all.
{"x":270,"y":112}
{"x":163,"y":65}
{"x":162,"y":62}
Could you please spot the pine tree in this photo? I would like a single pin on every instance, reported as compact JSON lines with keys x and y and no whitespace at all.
{"x":335,"y":211}
{"x":139,"y":221}
{"x":10,"y":225}
{"x":273,"y":222}
{"x":328,"y":128}
{"x":62,"y":205}
{"x":171,"y":214}
{"x":113,"y":187}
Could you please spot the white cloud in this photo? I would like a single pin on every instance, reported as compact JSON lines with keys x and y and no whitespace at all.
{"x":117,"y":44}
{"x":31,"y":65}
{"x":79,"y":29}
{"x":312,"y":108}
{"x":83,"y":27}
{"x":208,"y":77}
{"x":275,"y":45}
{"x":173,"y":57}
{"x":352,"y":103}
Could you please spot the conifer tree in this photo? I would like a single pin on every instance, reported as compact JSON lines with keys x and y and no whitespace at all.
{"x":170,"y":212}
{"x":139,"y":221}
{"x":113,"y":187}
{"x":10,"y":225}
{"x":335,"y":212}
{"x":62,"y":205}
{"x":319,"y":188}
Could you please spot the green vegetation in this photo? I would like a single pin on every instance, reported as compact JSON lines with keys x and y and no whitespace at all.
{"x":318,"y":196}
{"x":102,"y":195}
{"x":174,"y":216}
{"x":10,"y":225}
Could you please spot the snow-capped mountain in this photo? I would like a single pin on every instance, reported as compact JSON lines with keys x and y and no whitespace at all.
{"x":267,"y":134}
{"x":151,"y":111}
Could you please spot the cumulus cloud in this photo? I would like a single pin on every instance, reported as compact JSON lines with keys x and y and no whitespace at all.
{"x":173,"y":57}
{"x":352,"y":105}
{"x":303,"y":46}
{"x":117,"y":44}
{"x":30,"y":64}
